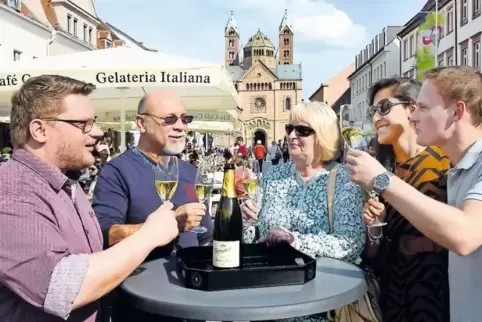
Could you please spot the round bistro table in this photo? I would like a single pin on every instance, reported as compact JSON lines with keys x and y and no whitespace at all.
{"x":155,"y":288}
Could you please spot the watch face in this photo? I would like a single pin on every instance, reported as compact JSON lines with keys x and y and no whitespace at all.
{"x":381,"y":181}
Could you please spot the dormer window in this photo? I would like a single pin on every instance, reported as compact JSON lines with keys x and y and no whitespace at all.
{"x":14,"y":4}
{"x":75,"y":27}
{"x":107,"y":43}
{"x":85,"y":32}
{"x":69,"y":24}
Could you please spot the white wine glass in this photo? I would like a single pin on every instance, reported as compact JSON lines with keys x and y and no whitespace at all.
{"x":251,"y":176}
{"x":203,"y":187}
{"x":167,"y":177}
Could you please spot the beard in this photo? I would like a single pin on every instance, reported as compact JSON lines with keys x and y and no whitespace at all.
{"x":70,"y":158}
{"x":172,"y":150}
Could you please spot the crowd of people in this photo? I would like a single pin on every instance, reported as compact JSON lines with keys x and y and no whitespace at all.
{"x":64,"y":257}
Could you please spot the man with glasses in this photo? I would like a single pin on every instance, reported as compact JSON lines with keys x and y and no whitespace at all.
{"x":125,"y":192}
{"x":449,"y":115}
{"x":52,"y":265}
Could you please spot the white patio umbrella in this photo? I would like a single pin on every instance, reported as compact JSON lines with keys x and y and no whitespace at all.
{"x":123,"y":75}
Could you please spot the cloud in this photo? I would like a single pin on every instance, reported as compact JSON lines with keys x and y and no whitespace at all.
{"x":312,"y":21}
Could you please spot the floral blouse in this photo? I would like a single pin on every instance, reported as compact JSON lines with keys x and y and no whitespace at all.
{"x":301,"y":207}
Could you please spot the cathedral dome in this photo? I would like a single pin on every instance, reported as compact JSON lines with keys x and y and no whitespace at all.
{"x":259,"y":40}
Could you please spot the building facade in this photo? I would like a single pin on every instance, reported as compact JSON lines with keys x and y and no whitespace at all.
{"x":379,"y":59}
{"x":128,"y":40}
{"x":336,"y":91}
{"x":27,"y":33}
{"x":267,"y":79}
{"x":458,"y":39}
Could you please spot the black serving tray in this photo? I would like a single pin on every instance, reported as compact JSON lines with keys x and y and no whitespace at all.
{"x":261,"y":266}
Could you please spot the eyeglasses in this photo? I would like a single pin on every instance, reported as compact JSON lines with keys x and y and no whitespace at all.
{"x":383,"y":107}
{"x":300,"y":130}
{"x":85,"y":125}
{"x":172,"y":119}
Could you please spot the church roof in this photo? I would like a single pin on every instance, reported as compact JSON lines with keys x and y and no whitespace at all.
{"x":259,"y":40}
{"x":232,"y":23}
{"x":289,"y":72}
{"x":282,"y":72}
{"x":284,"y":21}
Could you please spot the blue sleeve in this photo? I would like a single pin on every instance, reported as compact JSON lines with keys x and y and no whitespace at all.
{"x":475,"y":192}
{"x":110,"y":200}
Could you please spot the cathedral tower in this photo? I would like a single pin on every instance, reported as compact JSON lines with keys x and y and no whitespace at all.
{"x":285,"y":48}
{"x":231,"y":46}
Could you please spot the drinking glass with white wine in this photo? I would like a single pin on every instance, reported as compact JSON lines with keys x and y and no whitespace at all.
{"x":251,"y":177}
{"x":167,"y":177}
{"x":353,"y":137}
{"x":203,"y":187}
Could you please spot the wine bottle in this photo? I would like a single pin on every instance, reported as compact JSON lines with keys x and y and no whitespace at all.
{"x":228,"y":224}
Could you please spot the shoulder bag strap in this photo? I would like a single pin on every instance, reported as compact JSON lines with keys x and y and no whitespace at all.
{"x":331,"y":195}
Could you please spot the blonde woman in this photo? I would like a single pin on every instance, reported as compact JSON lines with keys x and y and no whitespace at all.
{"x":292,"y":198}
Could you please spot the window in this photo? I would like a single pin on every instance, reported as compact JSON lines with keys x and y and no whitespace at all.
{"x":85,"y":32}
{"x":475,"y":8}
{"x":385,"y":68}
{"x":75,"y":27}
{"x":450,"y":59}
{"x":476,"y":60}
{"x":464,"y":12}
{"x":412,"y":46}
{"x":90,"y":35}
{"x":69,"y":24}
{"x":286,"y":41}
{"x":107,"y":44}
{"x":465,"y":56}
{"x":450,"y":20}
{"x":16,"y":55}
{"x":14,"y":4}
{"x":440,"y":61}
{"x":287,"y":104}
{"x":405,"y":49}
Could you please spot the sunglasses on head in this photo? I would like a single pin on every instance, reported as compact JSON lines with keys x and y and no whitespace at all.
{"x":172,"y":119}
{"x":384,"y":107}
{"x":300,"y":130}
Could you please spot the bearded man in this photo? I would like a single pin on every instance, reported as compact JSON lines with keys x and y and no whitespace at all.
{"x":125,"y":193}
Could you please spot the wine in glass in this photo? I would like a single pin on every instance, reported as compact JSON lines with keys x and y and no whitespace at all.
{"x":203,"y":187}
{"x":251,"y":177}
{"x":167,"y":177}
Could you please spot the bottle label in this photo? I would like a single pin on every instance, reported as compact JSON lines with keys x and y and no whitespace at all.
{"x":229,"y":188}
{"x":226,"y":254}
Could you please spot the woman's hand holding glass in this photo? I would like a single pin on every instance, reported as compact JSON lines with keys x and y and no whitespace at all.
{"x":373,"y":209}
{"x":249,"y":210}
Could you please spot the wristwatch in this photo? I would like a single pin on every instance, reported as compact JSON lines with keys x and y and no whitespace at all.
{"x":382,"y":181}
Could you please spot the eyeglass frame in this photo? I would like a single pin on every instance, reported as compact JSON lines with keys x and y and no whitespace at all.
{"x":189,"y":119}
{"x":310,"y":130}
{"x":375,"y":108}
{"x":80,"y":124}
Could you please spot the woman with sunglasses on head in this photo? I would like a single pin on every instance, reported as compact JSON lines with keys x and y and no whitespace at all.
{"x":412,"y":268}
{"x":292,"y":202}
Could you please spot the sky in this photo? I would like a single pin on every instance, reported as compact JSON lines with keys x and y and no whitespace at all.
{"x":327,"y":34}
